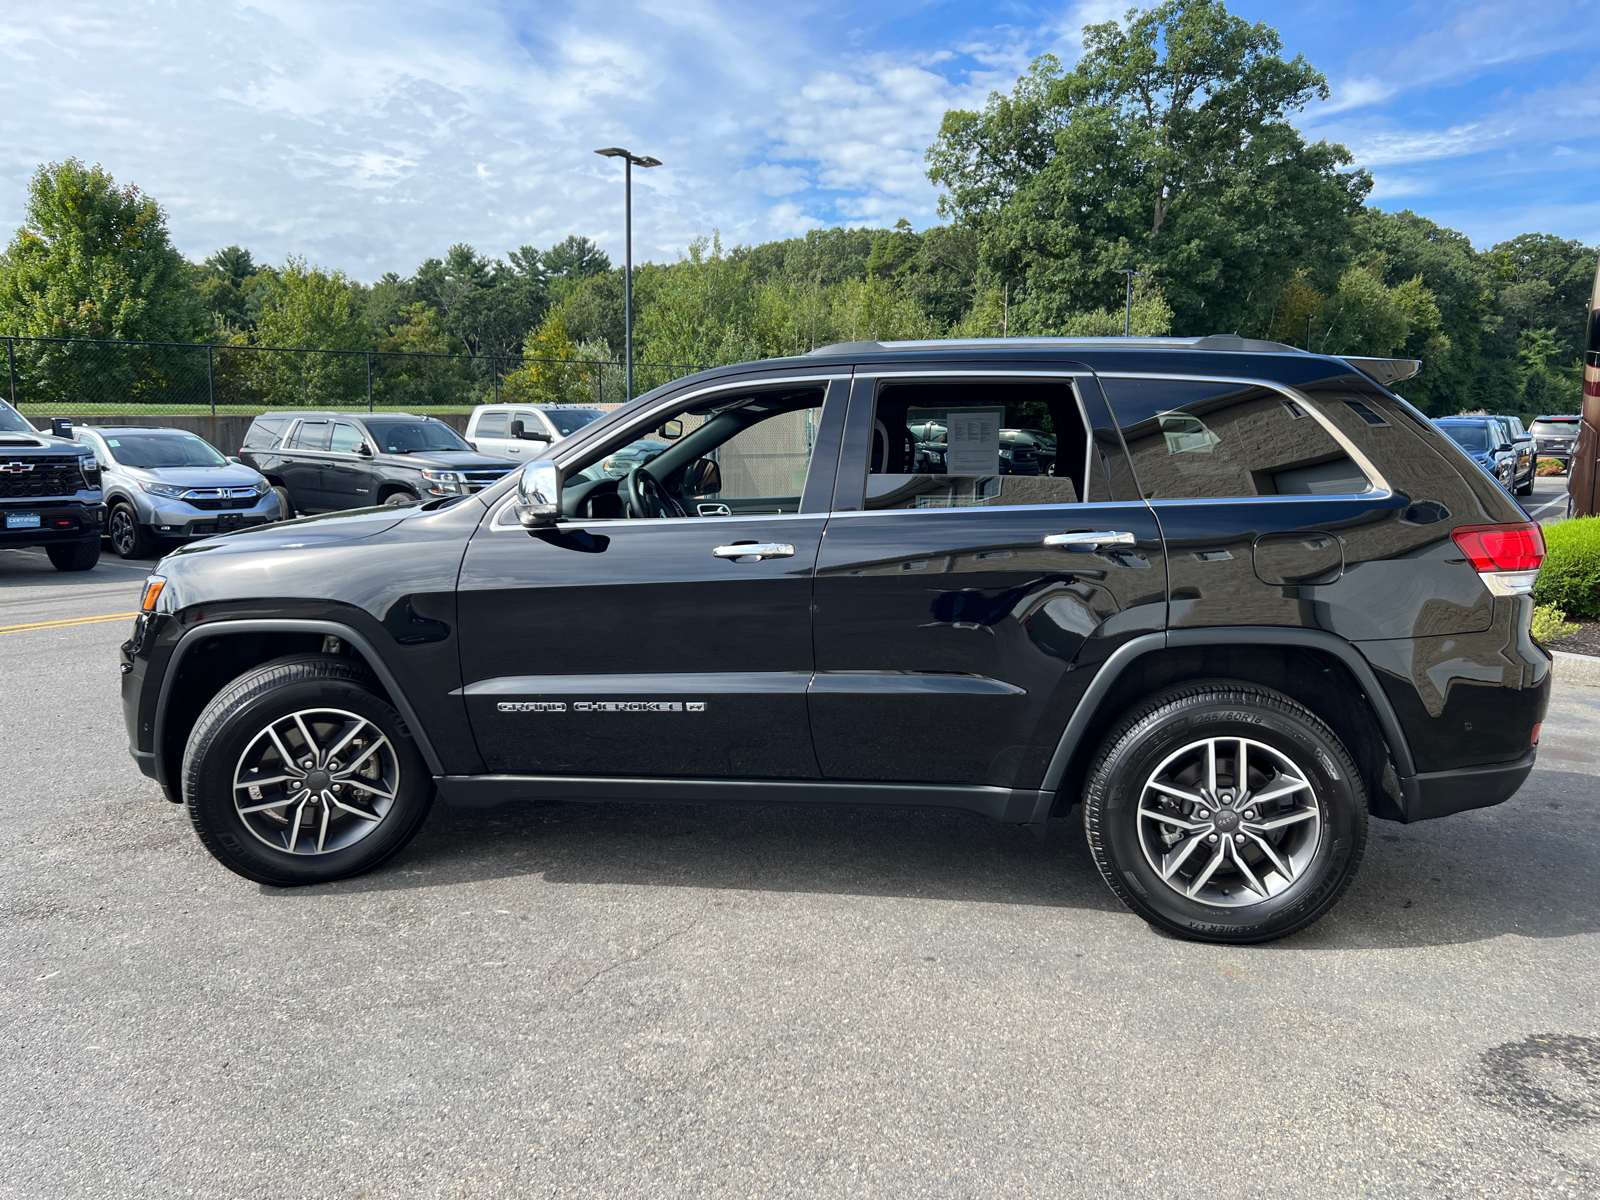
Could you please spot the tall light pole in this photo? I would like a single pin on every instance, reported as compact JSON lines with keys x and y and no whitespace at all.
{"x":1127,"y":313}
{"x":630,"y":161}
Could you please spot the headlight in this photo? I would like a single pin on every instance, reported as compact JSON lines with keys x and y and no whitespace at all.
{"x":444,"y":483}
{"x":262,"y":488}
{"x":170,"y":490}
{"x":1005,"y":454}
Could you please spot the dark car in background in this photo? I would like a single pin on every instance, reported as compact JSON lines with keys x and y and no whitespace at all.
{"x":328,"y":461}
{"x":1262,"y":598}
{"x":168,"y":485}
{"x":1487,"y":441}
{"x":1522,"y":443}
{"x":1038,"y":441}
{"x":1554,"y":436}
{"x":50,"y":492}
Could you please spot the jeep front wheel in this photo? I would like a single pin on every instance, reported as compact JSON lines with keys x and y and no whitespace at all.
{"x":1227,"y":813}
{"x":299,"y":772}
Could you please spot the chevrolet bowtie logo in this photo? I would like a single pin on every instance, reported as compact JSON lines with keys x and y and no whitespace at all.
{"x":15,"y":468}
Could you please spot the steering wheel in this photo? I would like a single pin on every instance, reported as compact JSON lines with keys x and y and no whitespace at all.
{"x":645,"y":497}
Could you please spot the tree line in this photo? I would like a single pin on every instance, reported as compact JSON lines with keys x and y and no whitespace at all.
{"x":1169,"y":150}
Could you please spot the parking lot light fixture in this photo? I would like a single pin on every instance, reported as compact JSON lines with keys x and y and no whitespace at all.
{"x":629,"y":161}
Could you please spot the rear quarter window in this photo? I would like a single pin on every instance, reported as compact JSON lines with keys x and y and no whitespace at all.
{"x":263,"y":433}
{"x":1194,"y":439}
{"x":1415,"y":458}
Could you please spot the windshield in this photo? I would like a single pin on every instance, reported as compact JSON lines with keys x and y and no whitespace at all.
{"x":1469,"y":437}
{"x":412,"y":437}
{"x":569,"y":420}
{"x":150,"y":451}
{"x":11,"y":421}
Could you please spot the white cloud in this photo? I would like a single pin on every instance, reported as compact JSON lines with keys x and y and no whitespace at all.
{"x":367,"y":137}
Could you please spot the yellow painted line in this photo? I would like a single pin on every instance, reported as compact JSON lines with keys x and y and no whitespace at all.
{"x":66,"y":623}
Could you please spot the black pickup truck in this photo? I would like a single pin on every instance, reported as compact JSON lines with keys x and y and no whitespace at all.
{"x":49,"y":493}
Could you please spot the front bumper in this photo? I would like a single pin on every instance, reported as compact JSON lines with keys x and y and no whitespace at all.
{"x":59,"y":521}
{"x":176,"y":519}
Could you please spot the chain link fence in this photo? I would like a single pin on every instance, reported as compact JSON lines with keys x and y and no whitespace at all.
{"x":71,"y":377}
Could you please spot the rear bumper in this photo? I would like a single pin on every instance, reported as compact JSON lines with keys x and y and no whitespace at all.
{"x":1441,"y":793}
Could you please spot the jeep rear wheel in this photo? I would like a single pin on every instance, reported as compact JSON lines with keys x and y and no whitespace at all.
{"x":299,"y":772}
{"x":1226,"y":813}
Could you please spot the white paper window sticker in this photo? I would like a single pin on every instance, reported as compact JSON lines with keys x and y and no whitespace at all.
{"x":974,"y":442}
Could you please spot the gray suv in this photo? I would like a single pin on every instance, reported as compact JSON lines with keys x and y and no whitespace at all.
{"x":170,"y":485}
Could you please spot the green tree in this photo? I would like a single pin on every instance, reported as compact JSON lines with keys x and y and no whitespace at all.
{"x":311,"y":309}
{"x":93,"y":260}
{"x":1168,"y":149}
{"x":419,"y":365}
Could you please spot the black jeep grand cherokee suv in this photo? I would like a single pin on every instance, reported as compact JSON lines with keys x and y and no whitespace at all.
{"x":1260,"y":598}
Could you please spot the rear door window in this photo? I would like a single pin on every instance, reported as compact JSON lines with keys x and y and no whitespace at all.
{"x":312,"y":435}
{"x":492,"y":425}
{"x":1194,"y":439}
{"x":951,"y":444}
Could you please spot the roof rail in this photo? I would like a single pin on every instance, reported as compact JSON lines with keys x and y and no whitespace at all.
{"x":1217,"y":341}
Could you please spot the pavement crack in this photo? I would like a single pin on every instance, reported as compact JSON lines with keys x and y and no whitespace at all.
{"x":640,"y":957}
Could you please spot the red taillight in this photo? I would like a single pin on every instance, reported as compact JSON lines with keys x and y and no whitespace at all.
{"x":1501,"y":547}
{"x":1534,"y":740}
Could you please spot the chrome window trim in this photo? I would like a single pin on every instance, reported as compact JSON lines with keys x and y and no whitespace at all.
{"x":1380,"y":489}
{"x":642,"y":418}
{"x":1077,"y":394}
{"x":499,"y":523}
{"x":1064,"y":506}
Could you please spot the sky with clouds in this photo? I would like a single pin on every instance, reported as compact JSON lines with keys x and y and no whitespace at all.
{"x":368,"y":136}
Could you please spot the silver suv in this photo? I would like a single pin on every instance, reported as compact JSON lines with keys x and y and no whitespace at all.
{"x":171,"y":485}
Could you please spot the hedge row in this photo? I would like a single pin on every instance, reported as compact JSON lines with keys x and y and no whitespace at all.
{"x":1570,"y":576}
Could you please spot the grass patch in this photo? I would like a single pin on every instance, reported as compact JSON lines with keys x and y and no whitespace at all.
{"x":1550,"y":466}
{"x":1570,"y":576}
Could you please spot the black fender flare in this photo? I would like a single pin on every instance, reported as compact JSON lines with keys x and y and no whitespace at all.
{"x":369,"y":653}
{"x":1312,"y":639}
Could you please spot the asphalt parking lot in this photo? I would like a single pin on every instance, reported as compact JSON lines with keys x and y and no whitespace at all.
{"x":668,"y":1001}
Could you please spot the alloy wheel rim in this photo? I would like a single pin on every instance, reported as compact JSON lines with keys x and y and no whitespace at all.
{"x":122,"y":532}
{"x":316,"y":781}
{"x":1229,"y":822}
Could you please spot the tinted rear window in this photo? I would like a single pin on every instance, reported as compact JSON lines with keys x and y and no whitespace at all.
{"x":1558,"y":426}
{"x":1192,"y":439}
{"x":492,"y":424}
{"x":312,"y":435}
{"x":263,"y":432}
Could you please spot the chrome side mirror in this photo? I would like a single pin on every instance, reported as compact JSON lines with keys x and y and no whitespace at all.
{"x":539,"y":495}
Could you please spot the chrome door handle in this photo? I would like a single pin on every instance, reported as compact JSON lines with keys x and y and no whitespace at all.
{"x":752,"y":551}
{"x":1110,"y":537}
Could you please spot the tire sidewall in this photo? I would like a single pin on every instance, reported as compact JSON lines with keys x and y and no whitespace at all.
{"x":1112,"y":815}
{"x":208,"y":786}
{"x":120,"y":509}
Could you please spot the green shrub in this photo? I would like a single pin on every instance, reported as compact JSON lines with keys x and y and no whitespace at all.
{"x":1570,"y":576}
{"x":1550,"y":624}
